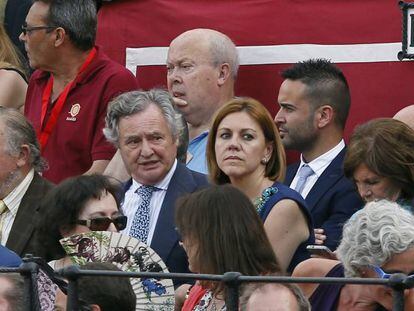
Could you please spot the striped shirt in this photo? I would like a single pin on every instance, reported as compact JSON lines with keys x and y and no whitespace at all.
{"x":12,"y":201}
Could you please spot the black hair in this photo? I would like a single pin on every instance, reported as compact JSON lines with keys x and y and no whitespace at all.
{"x":326,"y":85}
{"x":64,"y":203}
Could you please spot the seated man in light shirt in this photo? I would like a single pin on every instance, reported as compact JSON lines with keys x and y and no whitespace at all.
{"x":142,"y":125}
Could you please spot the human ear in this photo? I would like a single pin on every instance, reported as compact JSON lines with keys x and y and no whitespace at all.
{"x":60,"y":35}
{"x":325,"y":115}
{"x":24,"y":156}
{"x":224,"y":73}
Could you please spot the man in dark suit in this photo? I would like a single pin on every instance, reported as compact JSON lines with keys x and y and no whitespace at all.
{"x":21,"y":186}
{"x":314,"y":102}
{"x":144,"y":127}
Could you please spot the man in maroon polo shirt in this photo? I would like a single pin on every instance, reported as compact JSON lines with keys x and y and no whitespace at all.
{"x":69,"y":92}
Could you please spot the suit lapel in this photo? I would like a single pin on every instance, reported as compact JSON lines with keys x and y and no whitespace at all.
{"x":290,"y":173}
{"x":332,"y":174}
{"x":165,"y":237}
{"x":24,"y":223}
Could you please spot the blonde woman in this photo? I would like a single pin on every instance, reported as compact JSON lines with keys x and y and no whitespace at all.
{"x":13,"y":83}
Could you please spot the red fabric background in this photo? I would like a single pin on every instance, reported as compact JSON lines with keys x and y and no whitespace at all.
{"x":378,"y":89}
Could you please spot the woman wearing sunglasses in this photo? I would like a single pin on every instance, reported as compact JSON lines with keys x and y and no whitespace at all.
{"x":377,"y":241}
{"x":78,"y":205}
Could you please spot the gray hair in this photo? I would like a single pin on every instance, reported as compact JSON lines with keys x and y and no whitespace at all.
{"x":77,"y":17}
{"x":15,"y":295}
{"x":19,"y":132}
{"x":223,"y":50}
{"x":130,"y":103}
{"x":374,"y":234}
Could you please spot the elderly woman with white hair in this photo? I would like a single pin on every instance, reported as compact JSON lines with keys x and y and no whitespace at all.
{"x":377,"y":241}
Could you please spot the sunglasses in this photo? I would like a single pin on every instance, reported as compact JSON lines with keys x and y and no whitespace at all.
{"x":102,"y":223}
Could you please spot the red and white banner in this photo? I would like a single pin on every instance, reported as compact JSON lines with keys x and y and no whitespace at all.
{"x":362,"y":36}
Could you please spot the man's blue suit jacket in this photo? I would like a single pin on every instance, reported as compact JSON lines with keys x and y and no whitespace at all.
{"x":166,"y":239}
{"x":332,"y":200}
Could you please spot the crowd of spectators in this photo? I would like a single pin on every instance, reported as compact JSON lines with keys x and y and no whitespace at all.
{"x":194,"y":172}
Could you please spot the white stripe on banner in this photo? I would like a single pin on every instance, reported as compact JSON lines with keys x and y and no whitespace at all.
{"x":281,"y":54}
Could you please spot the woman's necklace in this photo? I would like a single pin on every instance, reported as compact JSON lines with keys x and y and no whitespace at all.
{"x":260,"y":201}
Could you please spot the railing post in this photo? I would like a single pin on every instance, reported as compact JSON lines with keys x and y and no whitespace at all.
{"x":231,"y":280}
{"x":72,"y":274}
{"x":29,"y":270}
{"x":397,"y":284}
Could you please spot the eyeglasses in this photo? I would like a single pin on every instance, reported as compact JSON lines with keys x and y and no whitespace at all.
{"x":26,"y":29}
{"x":381,"y":274}
{"x":102,"y":223}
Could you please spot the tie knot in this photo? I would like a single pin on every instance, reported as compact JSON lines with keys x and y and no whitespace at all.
{"x":305,"y":171}
{"x":3,"y":207}
{"x":145,"y":190}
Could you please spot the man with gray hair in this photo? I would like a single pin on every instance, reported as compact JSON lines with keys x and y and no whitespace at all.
{"x":377,"y":241}
{"x":143,"y":126}
{"x":21,"y":186}
{"x":379,"y":235}
{"x":68,"y":94}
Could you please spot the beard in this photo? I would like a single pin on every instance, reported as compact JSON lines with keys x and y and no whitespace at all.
{"x":301,"y":138}
{"x":10,"y":182}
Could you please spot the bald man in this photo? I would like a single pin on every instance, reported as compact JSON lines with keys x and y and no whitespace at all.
{"x":406,"y":115}
{"x":202,"y":68}
{"x":273,"y":297}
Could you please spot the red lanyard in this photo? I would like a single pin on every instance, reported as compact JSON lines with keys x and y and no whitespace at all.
{"x":46,"y":129}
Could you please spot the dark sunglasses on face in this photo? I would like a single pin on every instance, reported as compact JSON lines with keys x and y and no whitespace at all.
{"x":102,"y":223}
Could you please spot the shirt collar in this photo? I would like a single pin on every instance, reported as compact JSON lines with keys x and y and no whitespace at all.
{"x":199,"y":137}
{"x":163,"y":184}
{"x":319,"y":164}
{"x":89,"y":72}
{"x":13,"y":199}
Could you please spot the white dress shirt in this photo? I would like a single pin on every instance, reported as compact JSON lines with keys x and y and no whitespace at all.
{"x":318,"y":166}
{"x":12,"y":201}
{"x":132,"y":201}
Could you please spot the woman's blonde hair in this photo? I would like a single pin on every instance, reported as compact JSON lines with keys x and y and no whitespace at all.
{"x":9,"y":57}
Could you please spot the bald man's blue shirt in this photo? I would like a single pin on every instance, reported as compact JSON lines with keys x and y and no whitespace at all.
{"x":197,"y":150}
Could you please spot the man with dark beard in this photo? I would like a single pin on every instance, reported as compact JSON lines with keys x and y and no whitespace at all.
{"x":314,"y":102}
{"x":21,"y":186}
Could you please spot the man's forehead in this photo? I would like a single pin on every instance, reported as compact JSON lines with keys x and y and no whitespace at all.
{"x":190,"y":49}
{"x":37,"y":13}
{"x":151,"y":121}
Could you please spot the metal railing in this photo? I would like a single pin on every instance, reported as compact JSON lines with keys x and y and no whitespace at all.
{"x":232,"y":280}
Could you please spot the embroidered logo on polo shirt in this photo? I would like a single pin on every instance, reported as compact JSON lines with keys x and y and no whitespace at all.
{"x":74,"y":111}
